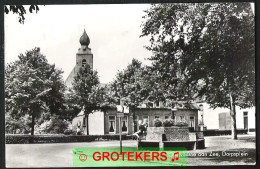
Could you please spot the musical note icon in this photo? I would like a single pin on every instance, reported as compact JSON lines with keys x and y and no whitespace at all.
{"x":177,"y":158}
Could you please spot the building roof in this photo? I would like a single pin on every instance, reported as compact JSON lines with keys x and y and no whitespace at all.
{"x":84,"y":39}
{"x":187,"y":105}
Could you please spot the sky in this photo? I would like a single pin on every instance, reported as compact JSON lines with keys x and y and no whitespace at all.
{"x":113,"y":30}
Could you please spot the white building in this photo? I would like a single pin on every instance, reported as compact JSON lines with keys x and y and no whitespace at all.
{"x":220,"y":118}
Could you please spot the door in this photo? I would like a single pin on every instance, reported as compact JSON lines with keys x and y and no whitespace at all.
{"x":224,"y":121}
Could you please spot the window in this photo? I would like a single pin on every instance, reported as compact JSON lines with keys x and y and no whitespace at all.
{"x":149,"y":104}
{"x":157,"y":103}
{"x":146,"y":118}
{"x":182,"y":118}
{"x":124,"y":123}
{"x":174,"y":118}
{"x":192,"y":122}
{"x":84,"y":62}
{"x":245,"y":113}
{"x":173,"y":115}
{"x":156,"y":117}
{"x":166,"y":117}
{"x":79,"y":123}
{"x":112,"y":124}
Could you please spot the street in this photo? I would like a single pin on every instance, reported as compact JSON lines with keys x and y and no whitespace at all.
{"x":60,"y":154}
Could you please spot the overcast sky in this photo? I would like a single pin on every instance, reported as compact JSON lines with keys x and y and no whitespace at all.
{"x":113,"y":30}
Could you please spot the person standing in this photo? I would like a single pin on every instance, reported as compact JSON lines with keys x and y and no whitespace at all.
{"x":142,"y":129}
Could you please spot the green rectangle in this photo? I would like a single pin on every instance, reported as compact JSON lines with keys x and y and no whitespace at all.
{"x":130,"y":156}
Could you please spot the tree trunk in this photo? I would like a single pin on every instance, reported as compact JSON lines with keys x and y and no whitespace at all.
{"x":33,"y":123}
{"x":32,"y":128}
{"x":233,"y":118}
{"x":87,"y":124}
{"x":135,"y":127}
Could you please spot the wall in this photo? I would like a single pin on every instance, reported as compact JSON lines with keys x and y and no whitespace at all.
{"x":96,"y":123}
{"x":87,"y":57}
{"x":211,"y":116}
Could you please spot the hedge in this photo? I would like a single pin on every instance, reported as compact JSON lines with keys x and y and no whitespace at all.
{"x":26,"y":139}
{"x":222,"y":132}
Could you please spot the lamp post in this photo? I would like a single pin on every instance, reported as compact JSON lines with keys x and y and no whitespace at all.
{"x":120,"y":114}
{"x":202,"y":118}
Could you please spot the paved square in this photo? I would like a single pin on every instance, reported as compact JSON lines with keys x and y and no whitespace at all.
{"x":60,"y":154}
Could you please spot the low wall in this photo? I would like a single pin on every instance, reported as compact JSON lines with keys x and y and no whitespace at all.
{"x":168,"y":133}
{"x":155,"y":133}
{"x":177,"y":134}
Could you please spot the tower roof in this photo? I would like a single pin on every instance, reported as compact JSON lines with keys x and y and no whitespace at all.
{"x":84,"y":39}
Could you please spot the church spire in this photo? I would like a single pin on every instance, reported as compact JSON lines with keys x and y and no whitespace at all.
{"x":84,"y":39}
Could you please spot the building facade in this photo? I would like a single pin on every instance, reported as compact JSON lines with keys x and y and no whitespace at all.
{"x":220,"y":119}
{"x":101,"y":123}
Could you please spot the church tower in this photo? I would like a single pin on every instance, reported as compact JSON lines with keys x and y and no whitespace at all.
{"x":84,"y":56}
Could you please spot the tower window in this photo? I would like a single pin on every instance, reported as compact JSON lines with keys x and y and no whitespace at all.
{"x":84,"y":62}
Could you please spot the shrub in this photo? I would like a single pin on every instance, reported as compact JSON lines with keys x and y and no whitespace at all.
{"x":17,"y":126}
{"x":222,"y":132}
{"x":69,"y":132}
{"x":56,"y":125}
{"x":27,"y":139}
{"x":168,"y":123}
{"x":157,"y":122}
{"x":181,"y":123}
